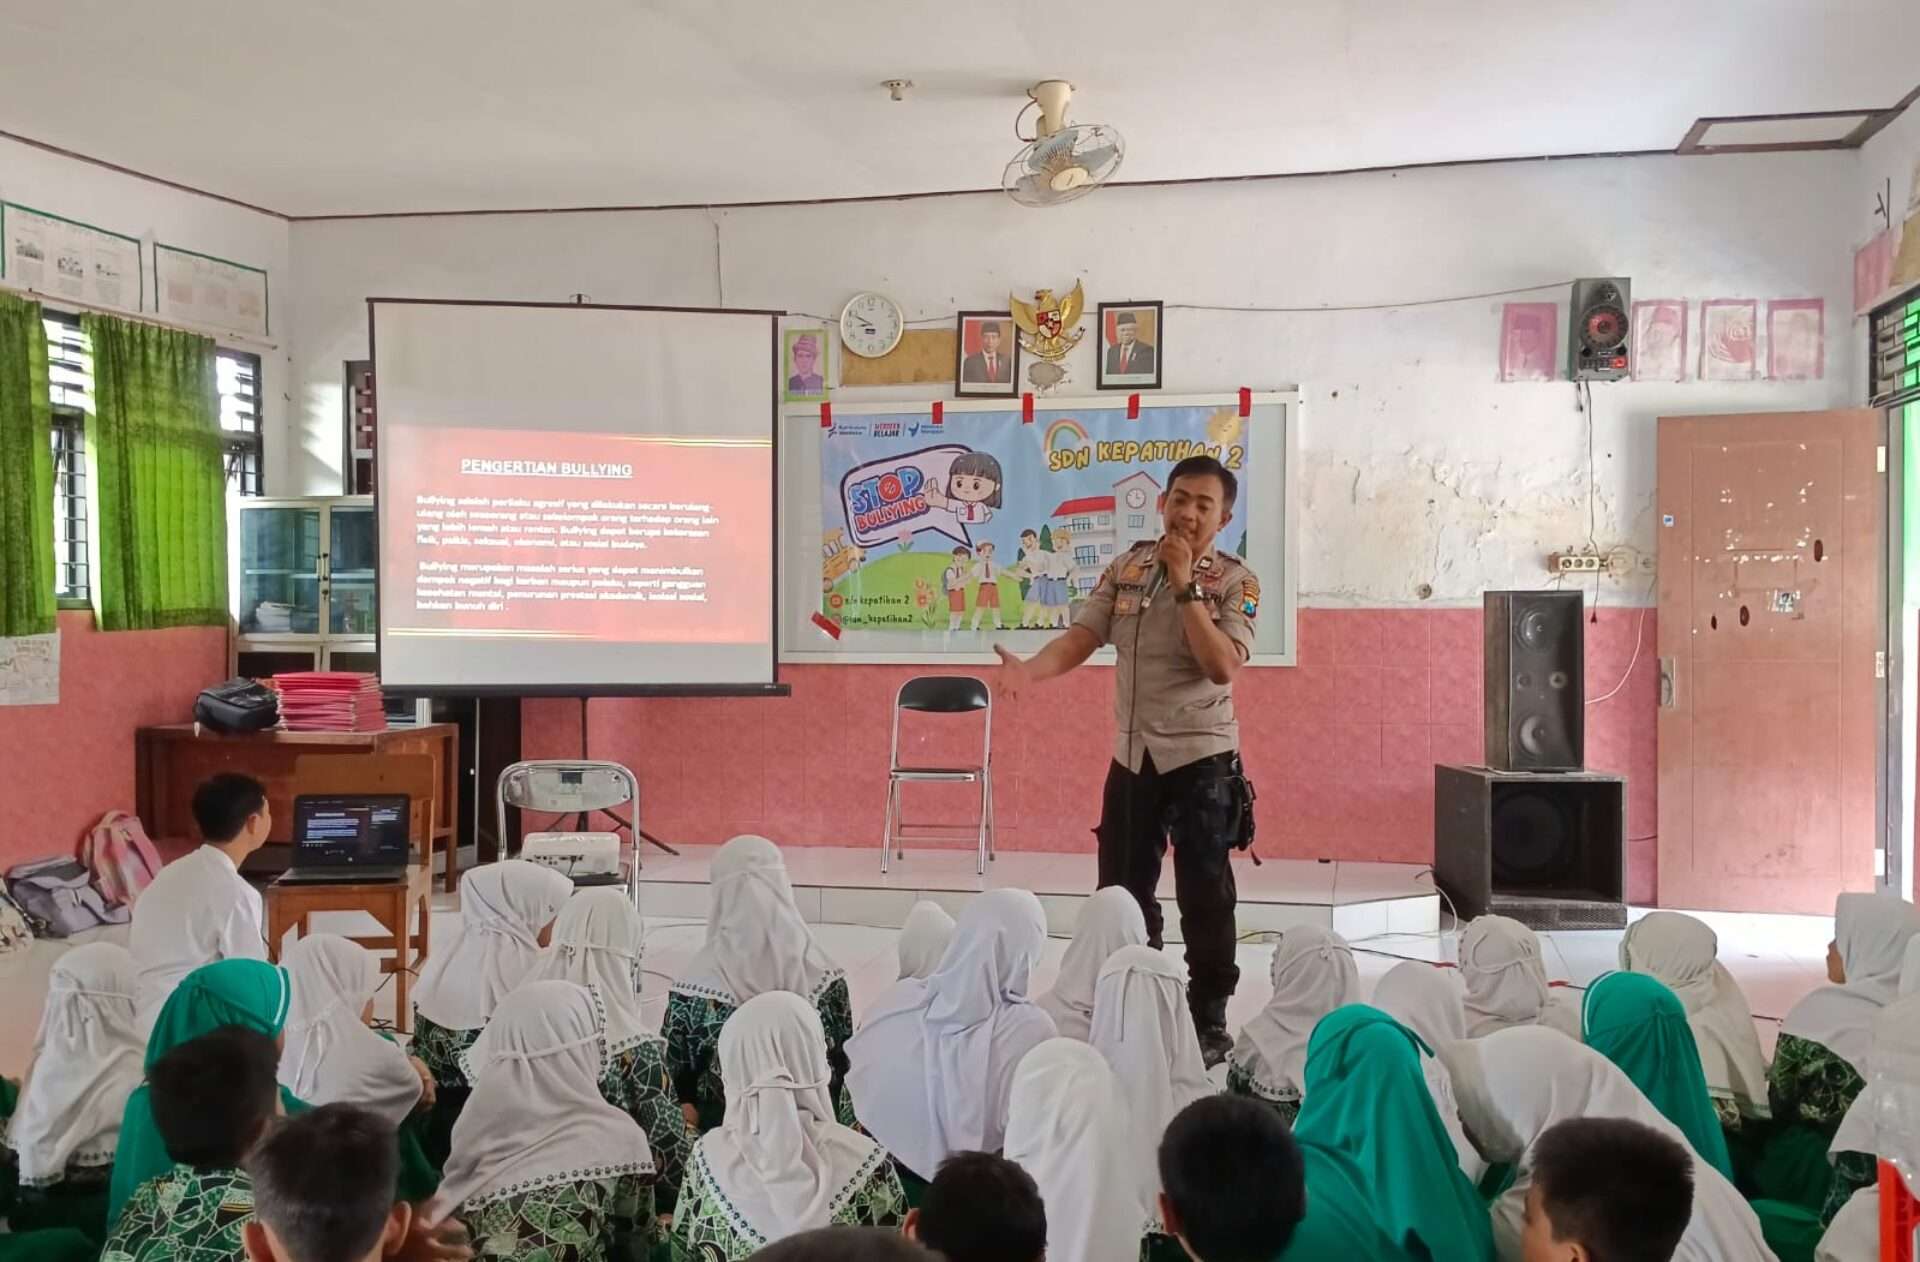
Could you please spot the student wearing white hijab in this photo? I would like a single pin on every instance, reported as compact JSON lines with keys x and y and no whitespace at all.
{"x":1142,"y":1026}
{"x":329,"y":1055}
{"x":541,"y":1163}
{"x":1820,"y":1060}
{"x":780,"y":1164}
{"x":1683,"y":952}
{"x":1515,"y":1083}
{"x":933,"y":1064}
{"x":923,"y":939}
{"x":597,"y":943}
{"x":1429,"y":1001}
{"x":1506,"y":980}
{"x":1872,"y":1127}
{"x":1063,"y":1129}
{"x":1111,"y":919}
{"x":756,"y":942}
{"x":87,"y":1059}
{"x":1313,"y":973}
{"x":505,"y":907}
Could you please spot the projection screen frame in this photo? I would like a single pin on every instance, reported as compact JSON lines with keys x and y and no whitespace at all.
{"x":773,"y":689}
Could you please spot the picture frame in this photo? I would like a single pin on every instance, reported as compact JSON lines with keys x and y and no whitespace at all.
{"x":1131,"y":363}
{"x":982,"y":370}
{"x":806,"y":382}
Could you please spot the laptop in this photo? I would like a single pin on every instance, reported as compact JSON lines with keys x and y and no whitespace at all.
{"x":344,"y":839}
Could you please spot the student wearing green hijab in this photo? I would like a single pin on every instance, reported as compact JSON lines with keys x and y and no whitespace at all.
{"x":248,"y":993}
{"x":1365,"y":1097}
{"x":1637,"y":1023}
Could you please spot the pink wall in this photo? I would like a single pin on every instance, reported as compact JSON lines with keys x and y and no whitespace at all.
{"x":1341,"y":746}
{"x":63,"y":766}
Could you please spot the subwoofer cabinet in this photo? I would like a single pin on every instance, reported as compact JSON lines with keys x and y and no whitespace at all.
{"x":1548,"y":849}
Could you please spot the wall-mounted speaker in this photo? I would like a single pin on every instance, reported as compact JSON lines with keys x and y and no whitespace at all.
{"x":1600,"y":329}
{"x":1536,"y":714}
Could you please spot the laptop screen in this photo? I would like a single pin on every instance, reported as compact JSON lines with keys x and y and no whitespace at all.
{"x":344,"y":831}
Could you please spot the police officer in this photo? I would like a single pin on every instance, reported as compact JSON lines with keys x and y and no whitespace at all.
{"x":1180,"y":613}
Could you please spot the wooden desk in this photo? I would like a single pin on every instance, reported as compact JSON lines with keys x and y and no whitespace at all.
{"x":390,"y":903}
{"x":171,"y":761}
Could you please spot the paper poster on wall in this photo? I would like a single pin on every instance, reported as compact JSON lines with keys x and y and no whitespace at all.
{"x":30,"y":669}
{"x":1528,"y":339}
{"x":982,"y":520}
{"x":64,"y":258}
{"x":1660,"y":340}
{"x":1796,"y":339}
{"x":211,"y":292}
{"x":1727,"y":339}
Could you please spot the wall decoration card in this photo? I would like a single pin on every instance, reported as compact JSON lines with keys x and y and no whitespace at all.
{"x":1727,"y":340}
{"x":1796,"y":339}
{"x":1660,"y":340}
{"x":64,"y":258}
{"x":211,"y":292}
{"x":30,"y":669}
{"x":980,"y":520}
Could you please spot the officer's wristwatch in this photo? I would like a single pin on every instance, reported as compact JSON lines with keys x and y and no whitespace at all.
{"x":1188,"y":594}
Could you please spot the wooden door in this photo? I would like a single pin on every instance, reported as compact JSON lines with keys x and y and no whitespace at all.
{"x":1771,"y":592}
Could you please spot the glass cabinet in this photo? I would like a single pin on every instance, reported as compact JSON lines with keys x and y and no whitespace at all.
{"x":301,"y":584}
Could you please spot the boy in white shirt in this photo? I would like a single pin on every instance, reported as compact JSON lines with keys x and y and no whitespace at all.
{"x":198,"y":909}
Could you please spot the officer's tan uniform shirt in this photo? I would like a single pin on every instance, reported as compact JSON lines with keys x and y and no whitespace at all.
{"x":1177,"y":713}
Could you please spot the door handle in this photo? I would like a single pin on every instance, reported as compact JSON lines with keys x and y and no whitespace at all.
{"x":1668,"y":671}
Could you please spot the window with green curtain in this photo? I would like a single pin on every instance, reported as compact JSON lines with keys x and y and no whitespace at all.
{"x":159,"y":480}
{"x":26,"y":472}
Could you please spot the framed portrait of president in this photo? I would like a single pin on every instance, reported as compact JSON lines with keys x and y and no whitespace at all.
{"x":1130,"y":345}
{"x":989,"y":359}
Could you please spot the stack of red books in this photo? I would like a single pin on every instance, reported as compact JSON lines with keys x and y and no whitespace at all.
{"x":330,"y":701}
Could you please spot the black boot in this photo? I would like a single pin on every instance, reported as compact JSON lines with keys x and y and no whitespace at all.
{"x":1215,"y":1043}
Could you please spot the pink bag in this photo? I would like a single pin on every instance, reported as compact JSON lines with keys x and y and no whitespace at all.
{"x":120,"y":859}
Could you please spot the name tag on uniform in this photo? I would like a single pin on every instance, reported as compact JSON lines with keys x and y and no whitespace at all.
{"x":1126,"y":603}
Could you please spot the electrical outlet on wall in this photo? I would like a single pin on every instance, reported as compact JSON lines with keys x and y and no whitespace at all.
{"x":1575,"y":563}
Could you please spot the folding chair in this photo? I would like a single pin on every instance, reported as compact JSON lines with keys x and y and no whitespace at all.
{"x":580,"y":788}
{"x":940,"y":694}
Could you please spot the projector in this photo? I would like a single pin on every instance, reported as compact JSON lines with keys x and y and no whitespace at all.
{"x":589,"y":858}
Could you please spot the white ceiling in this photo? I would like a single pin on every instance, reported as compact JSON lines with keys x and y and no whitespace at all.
{"x":342,"y":106}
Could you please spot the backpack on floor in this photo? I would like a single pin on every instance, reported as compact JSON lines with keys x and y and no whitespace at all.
{"x":59,"y":894}
{"x":120,"y":858}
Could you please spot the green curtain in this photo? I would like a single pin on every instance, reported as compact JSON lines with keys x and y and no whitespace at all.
{"x":160,"y":486}
{"x":26,"y":472}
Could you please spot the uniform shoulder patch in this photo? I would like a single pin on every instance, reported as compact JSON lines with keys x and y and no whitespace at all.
{"x":1250,"y":596}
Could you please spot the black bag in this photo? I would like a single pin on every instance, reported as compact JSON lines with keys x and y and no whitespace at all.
{"x":239,"y":705}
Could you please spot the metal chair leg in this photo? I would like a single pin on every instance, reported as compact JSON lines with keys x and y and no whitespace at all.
{"x":992,"y":822}
{"x":886,"y":833}
{"x":980,"y":860}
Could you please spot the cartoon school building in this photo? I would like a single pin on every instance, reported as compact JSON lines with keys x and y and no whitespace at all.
{"x":1101,"y":525}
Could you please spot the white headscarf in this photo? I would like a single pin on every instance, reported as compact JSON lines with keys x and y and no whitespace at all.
{"x":596,"y":942}
{"x":87,"y":1059}
{"x":756,"y":939}
{"x":1910,"y":968}
{"x":923,"y":939}
{"x":1063,"y":1129}
{"x":780,"y":1159}
{"x":1871,"y":932}
{"x":1682,"y":952}
{"x":536,"y":1117}
{"x":1109,"y":920}
{"x":1514,"y":1084}
{"x":331,"y":1057}
{"x":1313,"y":973}
{"x":1427,"y":1000}
{"x":1142,"y":1026}
{"x":1507,"y":980}
{"x":1881,"y":1119}
{"x":931,"y":1068}
{"x":503,"y":908}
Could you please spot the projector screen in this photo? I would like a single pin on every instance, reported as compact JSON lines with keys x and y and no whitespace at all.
{"x":574,"y":499}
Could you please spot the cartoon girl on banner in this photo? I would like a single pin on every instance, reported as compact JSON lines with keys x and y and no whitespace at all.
{"x":973,"y":488}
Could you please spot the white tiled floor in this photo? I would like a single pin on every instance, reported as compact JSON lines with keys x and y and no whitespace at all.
{"x":1776,"y":959}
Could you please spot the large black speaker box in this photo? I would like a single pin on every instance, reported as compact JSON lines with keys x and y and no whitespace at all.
{"x":1547,"y":849}
{"x":1536,"y":714}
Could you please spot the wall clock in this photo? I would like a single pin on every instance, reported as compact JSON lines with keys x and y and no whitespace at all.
{"x":871,"y":324}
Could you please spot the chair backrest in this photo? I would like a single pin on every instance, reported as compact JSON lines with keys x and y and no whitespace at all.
{"x":411,"y":774}
{"x":944,"y":694}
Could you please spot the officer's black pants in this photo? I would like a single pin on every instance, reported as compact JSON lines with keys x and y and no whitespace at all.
{"x":1138,"y":813}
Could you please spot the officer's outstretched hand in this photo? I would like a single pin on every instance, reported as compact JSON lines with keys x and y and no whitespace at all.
{"x":1014,"y":675}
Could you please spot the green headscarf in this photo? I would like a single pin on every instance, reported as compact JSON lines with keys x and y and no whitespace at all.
{"x":249,"y":993}
{"x":1365,"y":1096}
{"x":1637,"y":1023}
{"x":1339,"y":1221}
